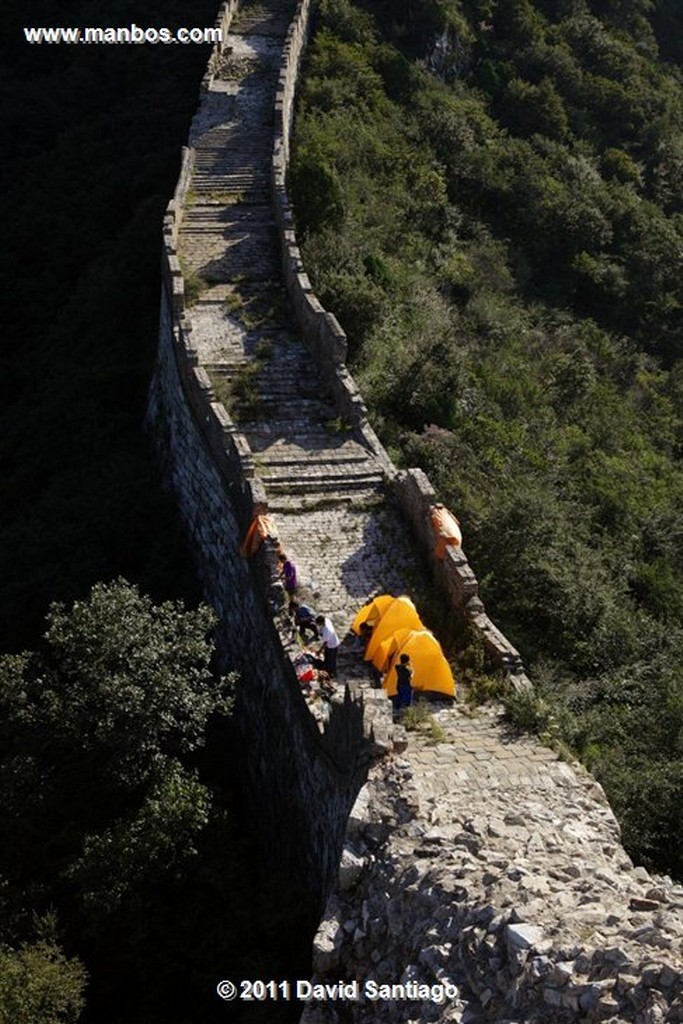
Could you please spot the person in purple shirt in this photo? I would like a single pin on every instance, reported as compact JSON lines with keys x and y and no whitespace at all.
{"x":288,"y":569}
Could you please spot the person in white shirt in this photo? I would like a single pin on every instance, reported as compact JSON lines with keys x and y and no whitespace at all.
{"x":330,"y":646}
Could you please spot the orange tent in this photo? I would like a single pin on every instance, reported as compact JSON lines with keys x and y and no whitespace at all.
{"x":384,"y":655}
{"x":400,"y":613}
{"x":371,"y":612}
{"x":431,"y":671}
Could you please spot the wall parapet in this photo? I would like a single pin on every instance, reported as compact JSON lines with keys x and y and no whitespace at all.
{"x":226,"y":11}
{"x":227,"y":444}
{"x":327,"y":341}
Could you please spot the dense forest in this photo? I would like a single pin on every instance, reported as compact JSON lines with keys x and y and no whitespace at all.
{"x":497,"y":222}
{"x":129,"y":885}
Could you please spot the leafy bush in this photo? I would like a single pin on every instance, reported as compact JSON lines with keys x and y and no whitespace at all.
{"x":38,"y":983}
{"x":316,"y":193}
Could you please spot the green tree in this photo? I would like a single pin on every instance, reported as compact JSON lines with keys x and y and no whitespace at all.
{"x":38,"y":983}
{"x":528,"y":109}
{"x":316,"y":192}
{"x":91,"y":722}
{"x":121,"y":681}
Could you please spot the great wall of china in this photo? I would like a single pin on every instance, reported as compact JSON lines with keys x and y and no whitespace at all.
{"x":482,"y":860}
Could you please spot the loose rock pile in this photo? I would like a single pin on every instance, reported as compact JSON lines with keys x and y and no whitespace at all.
{"x":506,"y":880}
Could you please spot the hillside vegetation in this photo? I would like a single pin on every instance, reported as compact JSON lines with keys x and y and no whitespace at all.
{"x":490,"y":198}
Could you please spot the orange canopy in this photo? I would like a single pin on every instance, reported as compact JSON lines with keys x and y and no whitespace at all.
{"x":399,"y":614}
{"x":260,"y":528}
{"x":446,"y":528}
{"x":386,"y":652}
{"x":431,"y":671}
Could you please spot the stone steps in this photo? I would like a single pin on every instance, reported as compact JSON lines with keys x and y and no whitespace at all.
{"x":301,"y":463}
{"x":309,"y":440}
{"x":232,"y":185}
{"x":313,"y":409}
{"x":251,"y":216}
{"x":256,"y":26}
{"x":228,"y":176}
{"x":209,"y":167}
{"x":296,"y":505}
{"x":308,"y":463}
{"x":333,"y":483}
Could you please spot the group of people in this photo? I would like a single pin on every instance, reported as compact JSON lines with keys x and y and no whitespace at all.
{"x":314,"y":627}
{"x":317,"y":627}
{"x":310,"y":625}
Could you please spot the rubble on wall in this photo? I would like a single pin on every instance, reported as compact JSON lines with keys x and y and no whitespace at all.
{"x":483,"y":863}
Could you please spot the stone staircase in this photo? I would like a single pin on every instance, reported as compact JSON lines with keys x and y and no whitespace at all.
{"x":304,"y":455}
{"x":323,"y":485}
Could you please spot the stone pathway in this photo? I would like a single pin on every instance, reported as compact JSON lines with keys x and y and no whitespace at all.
{"x":259,"y":366}
{"x":479,"y":860}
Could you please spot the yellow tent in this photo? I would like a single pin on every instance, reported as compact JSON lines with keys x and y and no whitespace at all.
{"x":371,"y":612}
{"x":399,"y":614}
{"x":431,"y":671}
{"x":383,"y":654}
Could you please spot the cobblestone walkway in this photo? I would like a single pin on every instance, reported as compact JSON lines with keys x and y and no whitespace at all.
{"x":478,"y":860}
{"x":477,"y":753}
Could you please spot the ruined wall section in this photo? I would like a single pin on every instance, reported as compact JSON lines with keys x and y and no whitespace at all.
{"x":487,"y":878}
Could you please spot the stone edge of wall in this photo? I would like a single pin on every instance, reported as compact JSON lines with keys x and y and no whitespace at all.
{"x":327,"y":341}
{"x":229,"y":447}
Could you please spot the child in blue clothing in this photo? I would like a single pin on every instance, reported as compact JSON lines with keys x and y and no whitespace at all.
{"x":404,"y":685}
{"x":304,"y":620}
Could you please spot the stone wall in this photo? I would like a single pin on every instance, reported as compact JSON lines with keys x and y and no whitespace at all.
{"x":496,"y":893}
{"x":301,"y":782}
